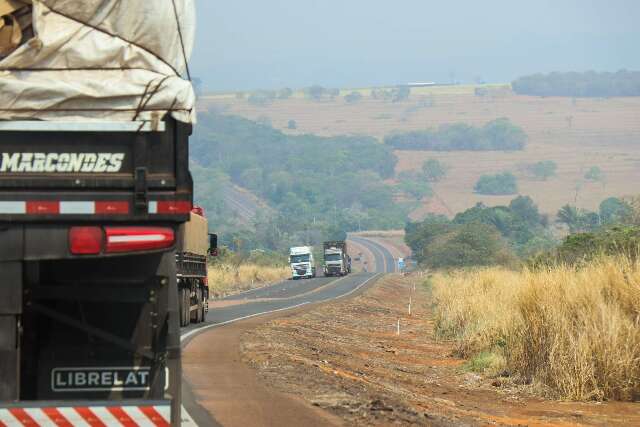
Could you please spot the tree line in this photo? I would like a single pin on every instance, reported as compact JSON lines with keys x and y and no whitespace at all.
{"x":516,"y":234}
{"x":574,"y":84}
{"x":498,"y":134}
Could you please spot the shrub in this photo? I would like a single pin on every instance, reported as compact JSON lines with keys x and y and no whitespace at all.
{"x":499,"y":184}
{"x":465,"y":245}
{"x":434,"y":170}
{"x":543,"y":170}
{"x":594,"y":174}
{"x":580,"y":248}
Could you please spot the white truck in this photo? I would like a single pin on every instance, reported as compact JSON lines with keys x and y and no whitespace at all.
{"x":336,"y":260}
{"x":302,"y":262}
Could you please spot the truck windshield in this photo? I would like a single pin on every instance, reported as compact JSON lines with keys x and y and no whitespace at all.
{"x":299,"y":258}
{"x":332,"y":257}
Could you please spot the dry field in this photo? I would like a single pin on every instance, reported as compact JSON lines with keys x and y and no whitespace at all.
{"x":576,"y":134}
{"x":349,"y":359}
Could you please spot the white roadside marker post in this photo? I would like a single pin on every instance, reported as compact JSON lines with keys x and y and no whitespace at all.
{"x":409,"y":306}
{"x":398,"y":332}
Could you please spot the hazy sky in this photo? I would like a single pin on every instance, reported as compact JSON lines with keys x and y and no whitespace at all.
{"x":249,"y":44}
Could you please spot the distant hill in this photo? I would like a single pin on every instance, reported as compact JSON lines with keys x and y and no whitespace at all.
{"x":576,"y":134}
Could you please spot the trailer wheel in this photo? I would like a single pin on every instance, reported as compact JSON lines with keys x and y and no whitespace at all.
{"x":184,"y":306}
{"x":203,"y":308}
{"x":196,"y":314}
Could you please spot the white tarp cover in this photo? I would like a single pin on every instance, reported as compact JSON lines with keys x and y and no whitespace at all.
{"x":102,"y":60}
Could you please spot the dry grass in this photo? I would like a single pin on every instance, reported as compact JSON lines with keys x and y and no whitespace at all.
{"x":577,"y":333}
{"x":225,"y":279}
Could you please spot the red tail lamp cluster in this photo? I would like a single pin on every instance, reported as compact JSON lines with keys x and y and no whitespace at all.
{"x":110,"y":240}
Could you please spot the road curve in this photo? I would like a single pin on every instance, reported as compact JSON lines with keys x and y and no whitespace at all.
{"x":385,"y":262}
{"x":218,"y":389}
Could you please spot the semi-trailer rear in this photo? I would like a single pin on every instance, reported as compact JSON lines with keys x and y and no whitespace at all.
{"x":95,"y":117}
{"x":191,"y":267}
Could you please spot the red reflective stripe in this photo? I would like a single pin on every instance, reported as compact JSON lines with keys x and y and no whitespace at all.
{"x":173,"y":207}
{"x":43,"y":208}
{"x":112,"y":208}
{"x":55,"y":416}
{"x":122,"y":416}
{"x":90,"y":417}
{"x":2,"y":424}
{"x":154,"y":416}
{"x":23,"y":418}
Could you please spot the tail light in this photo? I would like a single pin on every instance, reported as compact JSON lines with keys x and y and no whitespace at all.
{"x":131,"y":239}
{"x":96,"y":240}
{"x":86,"y":240}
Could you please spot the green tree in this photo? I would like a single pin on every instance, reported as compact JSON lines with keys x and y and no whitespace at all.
{"x":434,"y":170}
{"x":594,"y":174}
{"x":544,"y":169}
{"x":614,"y":210}
{"x":570,"y":216}
{"x":499,"y":184}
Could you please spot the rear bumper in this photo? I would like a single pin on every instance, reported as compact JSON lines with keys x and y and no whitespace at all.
{"x":130,"y":413}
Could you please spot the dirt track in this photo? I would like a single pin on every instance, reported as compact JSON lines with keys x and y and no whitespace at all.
{"x":348,"y":359}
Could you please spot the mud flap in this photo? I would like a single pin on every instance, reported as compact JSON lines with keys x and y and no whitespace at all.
{"x":10,"y":310}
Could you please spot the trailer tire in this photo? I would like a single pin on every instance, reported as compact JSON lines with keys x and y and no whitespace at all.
{"x":184,"y":307}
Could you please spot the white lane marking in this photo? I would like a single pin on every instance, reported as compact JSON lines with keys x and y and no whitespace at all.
{"x":187,"y":421}
{"x":213,"y":325}
{"x":352,"y":290}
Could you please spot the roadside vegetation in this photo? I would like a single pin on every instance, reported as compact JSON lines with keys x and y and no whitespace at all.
{"x":574,"y":333}
{"x":498,"y":134}
{"x":482,"y":235}
{"x":231,"y":272}
{"x":563,"y":317}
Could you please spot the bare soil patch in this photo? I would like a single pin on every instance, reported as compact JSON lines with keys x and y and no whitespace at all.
{"x":348,"y":359}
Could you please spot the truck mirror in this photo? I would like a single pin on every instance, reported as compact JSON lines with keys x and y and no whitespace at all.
{"x":213,"y":244}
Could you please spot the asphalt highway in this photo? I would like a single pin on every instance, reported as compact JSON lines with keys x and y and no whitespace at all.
{"x":283,"y":296}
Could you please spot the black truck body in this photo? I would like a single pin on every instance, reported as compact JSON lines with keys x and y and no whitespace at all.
{"x":90,"y":217}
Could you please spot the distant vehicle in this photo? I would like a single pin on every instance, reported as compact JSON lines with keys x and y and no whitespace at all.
{"x":302,"y":262}
{"x":336,"y":260}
